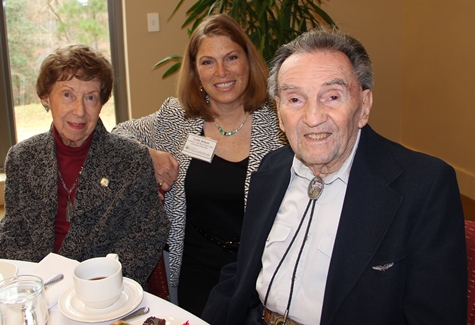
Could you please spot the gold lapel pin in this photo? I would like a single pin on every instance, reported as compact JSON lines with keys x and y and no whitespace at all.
{"x":104,"y":182}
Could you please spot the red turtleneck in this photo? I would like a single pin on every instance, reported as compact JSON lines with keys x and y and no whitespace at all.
{"x":70,"y":162}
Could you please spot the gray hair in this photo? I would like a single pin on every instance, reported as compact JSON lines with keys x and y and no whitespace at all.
{"x":324,"y":39}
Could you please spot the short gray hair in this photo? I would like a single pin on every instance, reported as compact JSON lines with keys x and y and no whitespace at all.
{"x":324,"y":39}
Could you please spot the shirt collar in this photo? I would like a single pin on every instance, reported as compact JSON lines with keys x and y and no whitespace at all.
{"x":300,"y":170}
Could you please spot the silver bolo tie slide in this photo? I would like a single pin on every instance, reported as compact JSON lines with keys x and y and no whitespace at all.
{"x":315,"y":188}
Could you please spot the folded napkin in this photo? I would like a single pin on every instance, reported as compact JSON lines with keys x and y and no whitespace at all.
{"x":49,"y":266}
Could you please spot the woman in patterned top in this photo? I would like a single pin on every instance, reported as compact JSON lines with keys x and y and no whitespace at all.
{"x":78,"y":190}
{"x":218,"y":129}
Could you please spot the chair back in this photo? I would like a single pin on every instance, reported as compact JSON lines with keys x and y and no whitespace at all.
{"x":157,"y":283}
{"x":470,"y":237}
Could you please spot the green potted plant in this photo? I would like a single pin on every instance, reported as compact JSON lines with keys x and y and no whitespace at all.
{"x":269,"y":23}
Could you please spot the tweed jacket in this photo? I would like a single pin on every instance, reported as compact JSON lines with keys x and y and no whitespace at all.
{"x":167,"y":130}
{"x":399,"y":255}
{"x":125,"y":217}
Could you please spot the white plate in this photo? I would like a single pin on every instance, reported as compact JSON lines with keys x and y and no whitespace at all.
{"x":73,"y":308}
{"x":7,"y":270}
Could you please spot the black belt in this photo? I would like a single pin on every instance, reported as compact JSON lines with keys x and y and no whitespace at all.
{"x":228,"y":245}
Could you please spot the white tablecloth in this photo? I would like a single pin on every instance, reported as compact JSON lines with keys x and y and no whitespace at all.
{"x":158,"y":307}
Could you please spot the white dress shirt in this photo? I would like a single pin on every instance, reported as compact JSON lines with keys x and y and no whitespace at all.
{"x":312,"y":270}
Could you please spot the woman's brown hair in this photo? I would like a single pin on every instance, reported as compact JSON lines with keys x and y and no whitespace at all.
{"x":189,"y":90}
{"x":79,"y":61}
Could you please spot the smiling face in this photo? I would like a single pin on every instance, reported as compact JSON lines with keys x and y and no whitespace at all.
{"x":75,"y":107}
{"x":223,"y":70}
{"x":321,"y":106}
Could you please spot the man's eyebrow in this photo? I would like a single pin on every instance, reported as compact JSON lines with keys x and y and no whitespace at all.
{"x":337,"y":81}
{"x":287,"y":87}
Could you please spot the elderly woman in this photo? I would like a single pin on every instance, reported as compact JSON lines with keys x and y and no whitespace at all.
{"x":78,"y":190}
{"x":218,"y":129}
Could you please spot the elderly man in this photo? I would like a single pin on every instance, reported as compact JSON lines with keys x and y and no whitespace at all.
{"x":344,"y":226}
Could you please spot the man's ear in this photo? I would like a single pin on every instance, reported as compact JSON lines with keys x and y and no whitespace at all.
{"x":277,"y":104}
{"x":366,"y":104}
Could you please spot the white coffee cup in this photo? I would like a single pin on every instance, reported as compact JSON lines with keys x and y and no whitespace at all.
{"x":98,"y":282}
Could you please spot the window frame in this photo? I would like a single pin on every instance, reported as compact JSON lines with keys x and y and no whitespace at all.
{"x":7,"y":118}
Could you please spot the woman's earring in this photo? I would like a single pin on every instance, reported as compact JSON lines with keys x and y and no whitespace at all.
{"x":46,"y":107}
{"x":206,"y":95}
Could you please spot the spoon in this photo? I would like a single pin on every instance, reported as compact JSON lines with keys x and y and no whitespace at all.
{"x":54,"y":278}
{"x":138,"y":312}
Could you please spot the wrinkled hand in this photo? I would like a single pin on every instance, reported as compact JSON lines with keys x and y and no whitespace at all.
{"x":166,"y":169}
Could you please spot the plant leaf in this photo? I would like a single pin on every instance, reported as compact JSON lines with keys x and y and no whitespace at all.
{"x":170,"y":58}
{"x":175,"y":10}
{"x":174,"y":68}
{"x":269,"y":23}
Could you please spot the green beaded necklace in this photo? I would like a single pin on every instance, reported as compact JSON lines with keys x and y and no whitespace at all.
{"x":226,"y":133}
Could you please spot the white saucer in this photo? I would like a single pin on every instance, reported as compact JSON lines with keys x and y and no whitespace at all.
{"x":73,"y":308}
{"x":7,"y":270}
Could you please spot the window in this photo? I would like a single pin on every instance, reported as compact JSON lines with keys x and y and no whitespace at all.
{"x":17,"y":80}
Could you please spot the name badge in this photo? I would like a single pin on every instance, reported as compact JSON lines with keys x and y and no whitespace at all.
{"x":199,"y":147}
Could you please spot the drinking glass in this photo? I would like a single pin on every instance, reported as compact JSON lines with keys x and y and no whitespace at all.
{"x":23,"y":301}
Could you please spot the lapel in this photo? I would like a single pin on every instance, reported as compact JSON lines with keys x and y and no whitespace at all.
{"x":90,"y":193}
{"x":45,"y":171}
{"x":45,"y":184}
{"x":265,"y":195}
{"x":369,"y":207}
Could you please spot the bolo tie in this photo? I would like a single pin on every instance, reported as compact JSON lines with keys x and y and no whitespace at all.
{"x":315,"y":189}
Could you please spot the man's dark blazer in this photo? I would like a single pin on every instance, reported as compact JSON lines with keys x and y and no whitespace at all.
{"x":402,"y":211}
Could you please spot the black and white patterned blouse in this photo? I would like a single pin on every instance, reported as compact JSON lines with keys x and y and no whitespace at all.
{"x":167,"y":130}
